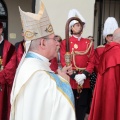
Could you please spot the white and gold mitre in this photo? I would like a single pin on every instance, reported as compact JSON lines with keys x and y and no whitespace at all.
{"x":36,"y":25}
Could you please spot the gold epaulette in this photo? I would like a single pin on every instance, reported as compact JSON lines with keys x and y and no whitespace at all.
{"x":100,"y":46}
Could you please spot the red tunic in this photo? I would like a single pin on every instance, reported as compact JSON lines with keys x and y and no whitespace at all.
{"x":106,"y":97}
{"x":54,"y":64}
{"x":98,"y":52}
{"x":20,"y":51}
{"x":6,"y":79}
{"x":82,"y":61}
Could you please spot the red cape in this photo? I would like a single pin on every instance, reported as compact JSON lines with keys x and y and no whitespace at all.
{"x":98,"y":53}
{"x":106,"y":97}
{"x":6,"y":79}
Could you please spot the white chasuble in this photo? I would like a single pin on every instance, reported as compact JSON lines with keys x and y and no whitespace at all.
{"x":39,"y":94}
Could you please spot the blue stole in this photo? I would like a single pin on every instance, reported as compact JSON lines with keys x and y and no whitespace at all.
{"x":63,"y":86}
{"x":32,"y":55}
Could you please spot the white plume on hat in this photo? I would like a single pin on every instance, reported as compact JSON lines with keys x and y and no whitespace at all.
{"x":75,"y":13}
{"x":36,"y":25}
{"x":110,"y":26}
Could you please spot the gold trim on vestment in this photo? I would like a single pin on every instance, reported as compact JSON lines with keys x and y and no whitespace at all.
{"x":81,"y":53}
{"x":63,"y":92}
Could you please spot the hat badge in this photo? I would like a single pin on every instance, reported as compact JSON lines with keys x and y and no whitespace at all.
{"x":75,"y":46}
{"x":49,"y":29}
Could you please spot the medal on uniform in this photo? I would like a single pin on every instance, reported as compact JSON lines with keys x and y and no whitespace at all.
{"x":75,"y":46}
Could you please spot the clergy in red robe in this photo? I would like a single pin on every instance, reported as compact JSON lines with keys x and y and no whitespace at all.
{"x":7,"y":72}
{"x":106,"y":98}
{"x":110,"y":26}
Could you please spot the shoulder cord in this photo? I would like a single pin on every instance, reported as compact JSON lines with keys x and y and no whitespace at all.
{"x":81,"y":53}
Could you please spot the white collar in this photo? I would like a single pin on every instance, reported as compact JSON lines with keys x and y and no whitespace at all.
{"x":41,"y":57}
{"x":1,"y":39}
{"x":77,"y":37}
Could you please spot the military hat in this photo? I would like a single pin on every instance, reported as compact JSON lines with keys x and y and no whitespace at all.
{"x":110,"y":26}
{"x":75,"y":13}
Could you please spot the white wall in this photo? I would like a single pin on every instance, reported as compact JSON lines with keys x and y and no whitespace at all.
{"x":58,"y":12}
{"x":14,"y":21}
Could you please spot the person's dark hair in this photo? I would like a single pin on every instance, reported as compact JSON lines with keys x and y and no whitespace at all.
{"x":105,"y":42}
{"x":91,"y":38}
{"x":1,"y":25}
{"x":71,"y":32}
{"x":58,"y":37}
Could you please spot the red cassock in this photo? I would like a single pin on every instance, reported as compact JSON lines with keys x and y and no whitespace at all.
{"x":82,"y":61}
{"x":98,"y":53}
{"x":20,"y":51}
{"x":106,"y":97}
{"x":6,"y":79}
{"x":54,"y":64}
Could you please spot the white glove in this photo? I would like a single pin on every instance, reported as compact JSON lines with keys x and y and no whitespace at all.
{"x":81,"y":82}
{"x":80,"y":78}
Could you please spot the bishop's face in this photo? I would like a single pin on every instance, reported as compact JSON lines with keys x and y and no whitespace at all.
{"x":51,"y":46}
{"x":76,"y":28}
